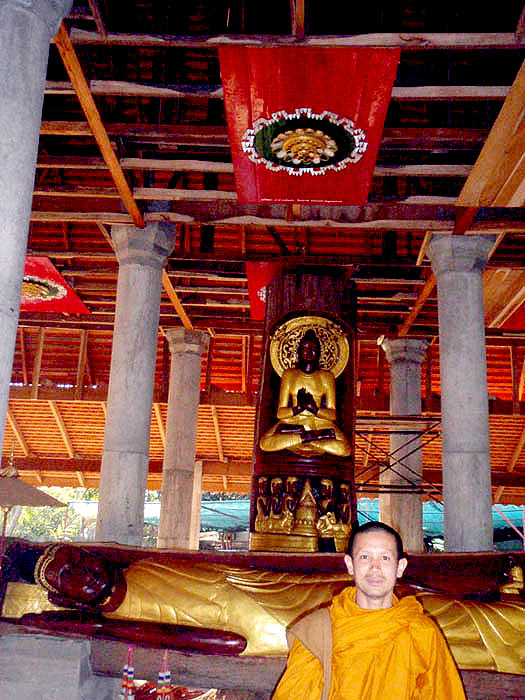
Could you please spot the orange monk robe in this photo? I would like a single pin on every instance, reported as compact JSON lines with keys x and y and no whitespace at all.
{"x":396,"y":652}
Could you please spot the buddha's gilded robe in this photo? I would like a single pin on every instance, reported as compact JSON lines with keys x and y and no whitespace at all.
{"x":396,"y":652}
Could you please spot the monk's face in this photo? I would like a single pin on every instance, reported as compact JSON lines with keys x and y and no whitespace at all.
{"x":80,"y":575}
{"x":375,"y":567}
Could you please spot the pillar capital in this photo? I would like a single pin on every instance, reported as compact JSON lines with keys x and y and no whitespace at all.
{"x":144,"y":246}
{"x":51,"y":12}
{"x":450,"y":253}
{"x":405,"y":350}
{"x":184,"y":340}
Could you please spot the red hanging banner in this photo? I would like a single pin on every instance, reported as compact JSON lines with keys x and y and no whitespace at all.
{"x":305,"y":123}
{"x":44,"y":290}
{"x":259,"y":275}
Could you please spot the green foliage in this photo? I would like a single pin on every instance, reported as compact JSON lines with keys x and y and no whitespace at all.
{"x":53,"y":524}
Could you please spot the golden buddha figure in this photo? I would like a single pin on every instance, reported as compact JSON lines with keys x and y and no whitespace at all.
{"x":307,"y":408}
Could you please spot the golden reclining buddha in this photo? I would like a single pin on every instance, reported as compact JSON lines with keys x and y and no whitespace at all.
{"x":254,"y":603}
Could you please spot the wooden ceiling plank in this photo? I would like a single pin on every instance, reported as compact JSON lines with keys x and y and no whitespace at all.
{"x":217,"y":431}
{"x":127,"y":88}
{"x":37,"y":363}
{"x":76,"y":75}
{"x":174,"y":298}
{"x":490,"y":172}
{"x":62,"y":428}
{"x":415,"y":41}
{"x":81,"y":480}
{"x":178,"y":194}
{"x":17,"y":430}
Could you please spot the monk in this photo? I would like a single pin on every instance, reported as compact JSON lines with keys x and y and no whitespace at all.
{"x":307,"y":408}
{"x":368,"y":644}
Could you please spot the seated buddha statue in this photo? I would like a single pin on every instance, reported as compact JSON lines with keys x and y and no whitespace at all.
{"x":307,"y":408}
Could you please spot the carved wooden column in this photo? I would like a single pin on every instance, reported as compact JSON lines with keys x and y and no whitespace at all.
{"x":301,"y":501}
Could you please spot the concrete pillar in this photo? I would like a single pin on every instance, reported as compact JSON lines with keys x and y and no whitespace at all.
{"x":26,"y":28}
{"x":179,"y":501}
{"x":142,"y":253}
{"x":39,"y":667}
{"x":403,"y":511}
{"x":458,"y":262}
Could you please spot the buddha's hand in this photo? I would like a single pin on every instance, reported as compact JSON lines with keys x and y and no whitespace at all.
{"x":323,"y":434}
{"x":306,"y":401}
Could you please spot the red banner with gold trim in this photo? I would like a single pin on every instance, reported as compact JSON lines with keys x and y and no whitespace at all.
{"x":259,"y":276}
{"x":305,"y":123}
{"x":44,"y":290}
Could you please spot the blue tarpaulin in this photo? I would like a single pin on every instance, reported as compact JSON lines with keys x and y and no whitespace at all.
{"x":235,"y":514}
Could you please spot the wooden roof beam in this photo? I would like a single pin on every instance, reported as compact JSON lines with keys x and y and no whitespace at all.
{"x":17,"y":430}
{"x":217,"y":431}
{"x":498,"y":176}
{"x":62,"y":428}
{"x":82,"y":364}
{"x":298,"y":17}
{"x":413,"y":41}
{"x":97,"y":16}
{"x":126,"y":88}
{"x":37,"y":363}
{"x":76,"y":75}
{"x":160,"y":424}
{"x":174,"y":298}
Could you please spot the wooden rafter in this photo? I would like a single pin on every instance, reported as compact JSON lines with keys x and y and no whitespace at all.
{"x":174,"y":298}
{"x":97,"y":16}
{"x":21,"y":339}
{"x":427,"y":290}
{"x":498,"y":176}
{"x":17,"y":432}
{"x":298,"y":16}
{"x":217,"y":431}
{"x":62,"y":428}
{"x":37,"y":363}
{"x":160,"y":423}
{"x":82,"y":364}
{"x":76,"y":75}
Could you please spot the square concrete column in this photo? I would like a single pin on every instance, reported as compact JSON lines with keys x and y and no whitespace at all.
{"x":26,"y":28}
{"x":39,"y":667}
{"x":142,"y":253}
{"x":403,"y":511}
{"x":181,"y":485}
{"x":458,"y":263}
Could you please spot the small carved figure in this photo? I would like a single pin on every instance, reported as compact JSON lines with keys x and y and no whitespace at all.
{"x":514,"y":579}
{"x":263,"y":504}
{"x":343,"y":503}
{"x":292,"y":493}
{"x":326,"y":502}
{"x":307,"y":408}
